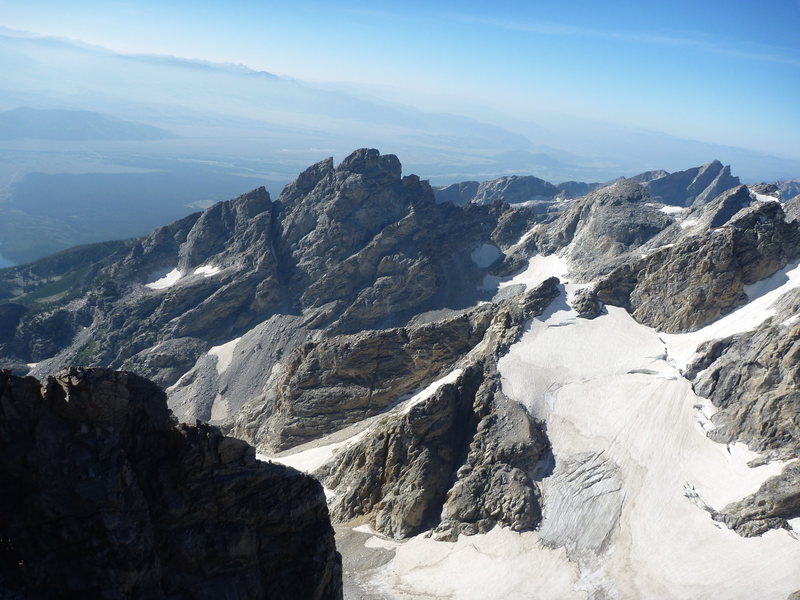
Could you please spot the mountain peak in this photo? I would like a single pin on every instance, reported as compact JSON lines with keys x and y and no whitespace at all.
{"x":369,"y":161}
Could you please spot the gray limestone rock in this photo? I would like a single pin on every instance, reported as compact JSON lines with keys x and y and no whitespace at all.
{"x":701,"y":277}
{"x":512,"y":189}
{"x":692,"y":187}
{"x":776,"y":501}
{"x":753,"y":379}
{"x":495,"y":484}
{"x":345,"y":248}
{"x":586,"y":304}
{"x":460,"y":459}
{"x":458,"y":194}
{"x":603,"y":227}
{"x":326,"y":385}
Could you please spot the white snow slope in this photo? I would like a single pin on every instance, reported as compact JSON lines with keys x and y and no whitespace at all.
{"x":607,"y":388}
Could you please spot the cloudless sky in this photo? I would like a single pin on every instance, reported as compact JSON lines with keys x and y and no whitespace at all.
{"x":718,"y":71}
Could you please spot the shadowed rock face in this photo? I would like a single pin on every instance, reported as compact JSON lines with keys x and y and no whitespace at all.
{"x":104,"y":496}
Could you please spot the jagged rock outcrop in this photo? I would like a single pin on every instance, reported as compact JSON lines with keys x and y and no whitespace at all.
{"x":684,"y":285}
{"x":648,"y":176}
{"x":586,"y":303}
{"x":754,"y":379}
{"x":105,"y":496}
{"x":495,"y":484}
{"x":326,"y":385}
{"x":766,"y":189}
{"x":790,"y":188}
{"x":576,"y":189}
{"x":602,"y":227}
{"x":460,"y":458}
{"x":345,"y":248}
{"x":775,"y":502}
{"x":512,"y":189}
{"x":457,"y":193}
{"x":692,"y":187}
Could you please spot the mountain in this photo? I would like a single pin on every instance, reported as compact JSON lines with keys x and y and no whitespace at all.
{"x":133,"y":505}
{"x":59,"y":125}
{"x":693,"y":186}
{"x":598,"y":401}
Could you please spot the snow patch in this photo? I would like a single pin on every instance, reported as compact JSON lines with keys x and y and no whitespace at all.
{"x":224,"y":354}
{"x":206,"y":270}
{"x":795,"y":524}
{"x":32,"y":365}
{"x":689,"y":223}
{"x":485,"y":255}
{"x":791,"y":320}
{"x":431,"y":390}
{"x":671,"y":210}
{"x":763,"y":197}
{"x":497,"y":564}
{"x":539,"y":269}
{"x":313,"y":458}
{"x":166,"y":281}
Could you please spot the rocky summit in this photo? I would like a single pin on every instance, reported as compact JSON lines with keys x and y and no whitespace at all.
{"x":502,"y":389}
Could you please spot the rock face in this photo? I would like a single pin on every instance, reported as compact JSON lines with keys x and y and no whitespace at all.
{"x":326,"y":385}
{"x":754,"y":379}
{"x":695,"y":279}
{"x":459,"y":460}
{"x":769,"y":508}
{"x":345,"y":248}
{"x":512,"y":189}
{"x":692,"y":187}
{"x":106,"y":497}
{"x":602,"y":227}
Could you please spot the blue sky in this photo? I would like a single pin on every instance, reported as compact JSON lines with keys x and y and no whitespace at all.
{"x":722,"y":72}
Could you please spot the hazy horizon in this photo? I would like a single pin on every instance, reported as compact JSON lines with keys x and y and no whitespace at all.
{"x":719,"y":72}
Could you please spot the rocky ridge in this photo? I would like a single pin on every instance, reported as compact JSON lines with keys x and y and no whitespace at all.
{"x":106,"y":496}
{"x":345,"y":248}
{"x":460,"y":460}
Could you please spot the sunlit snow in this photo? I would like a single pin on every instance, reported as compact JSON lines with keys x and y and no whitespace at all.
{"x":671,"y":210}
{"x":166,"y":281}
{"x":431,"y":390}
{"x":539,"y":269}
{"x":603,"y":386}
{"x":224,"y":354}
{"x":207,"y":270}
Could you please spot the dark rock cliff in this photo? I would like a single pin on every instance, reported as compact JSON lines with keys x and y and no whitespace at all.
{"x":105,"y":496}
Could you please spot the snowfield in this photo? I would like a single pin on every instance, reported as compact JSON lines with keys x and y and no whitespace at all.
{"x":166,"y":281}
{"x":633,"y":463}
{"x":206,"y":270}
{"x":626,"y":502}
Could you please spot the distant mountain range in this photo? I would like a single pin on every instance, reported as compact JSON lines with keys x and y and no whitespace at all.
{"x":60,"y":125}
